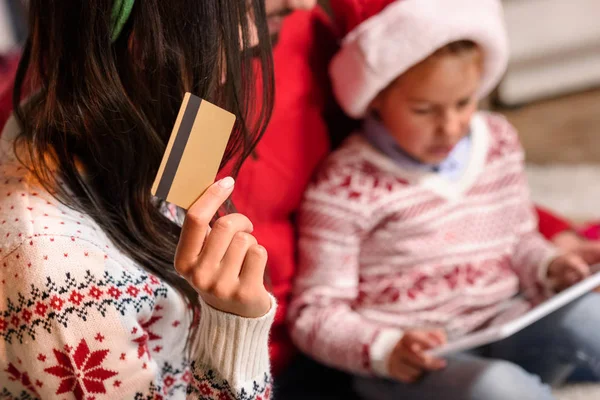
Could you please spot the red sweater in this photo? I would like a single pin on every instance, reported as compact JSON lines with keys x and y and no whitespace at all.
{"x":270,"y":187}
{"x":551,"y":225}
{"x":8,"y":68}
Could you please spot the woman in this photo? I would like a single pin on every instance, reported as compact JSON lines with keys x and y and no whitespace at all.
{"x":92,"y":304}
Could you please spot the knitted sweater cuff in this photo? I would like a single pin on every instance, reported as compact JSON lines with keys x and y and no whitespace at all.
{"x":381,"y":350}
{"x":235,"y":347}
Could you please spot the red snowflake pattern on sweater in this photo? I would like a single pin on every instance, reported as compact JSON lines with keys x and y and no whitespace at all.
{"x":82,"y":373}
{"x":148,"y":336}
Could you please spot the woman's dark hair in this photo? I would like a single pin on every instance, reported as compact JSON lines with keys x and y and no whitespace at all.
{"x":102,"y":112}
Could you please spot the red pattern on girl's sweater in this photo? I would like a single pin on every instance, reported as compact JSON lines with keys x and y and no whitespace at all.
{"x":382,"y":250}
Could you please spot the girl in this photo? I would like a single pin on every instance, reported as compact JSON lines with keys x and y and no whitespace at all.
{"x":91,"y":304}
{"x":420,"y":226}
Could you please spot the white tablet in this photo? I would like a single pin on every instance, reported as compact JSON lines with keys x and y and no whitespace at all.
{"x":502,"y":331}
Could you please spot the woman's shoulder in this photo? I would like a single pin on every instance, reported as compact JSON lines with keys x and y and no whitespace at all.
{"x":60,"y":259}
{"x":45,"y":241}
{"x":29,"y":212}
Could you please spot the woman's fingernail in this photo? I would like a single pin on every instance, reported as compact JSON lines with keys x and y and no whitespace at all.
{"x":227,"y":183}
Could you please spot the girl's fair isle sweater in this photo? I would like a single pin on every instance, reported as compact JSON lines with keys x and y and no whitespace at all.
{"x":81,"y":320}
{"x":384,"y":249}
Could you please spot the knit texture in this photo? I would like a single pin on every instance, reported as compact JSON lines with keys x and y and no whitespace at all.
{"x":79,"y":319}
{"x":384,"y":249}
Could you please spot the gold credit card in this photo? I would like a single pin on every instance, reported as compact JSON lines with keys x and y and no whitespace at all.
{"x":194,"y":151}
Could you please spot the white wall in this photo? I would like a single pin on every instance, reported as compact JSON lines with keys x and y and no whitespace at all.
{"x":555,"y":48}
{"x":7,"y":39}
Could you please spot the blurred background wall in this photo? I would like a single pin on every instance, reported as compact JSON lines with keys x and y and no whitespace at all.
{"x":551,"y":93}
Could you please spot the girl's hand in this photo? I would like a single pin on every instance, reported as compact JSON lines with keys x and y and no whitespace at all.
{"x":566,"y":270}
{"x":409,"y":360}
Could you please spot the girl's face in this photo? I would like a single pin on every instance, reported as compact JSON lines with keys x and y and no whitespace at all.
{"x":428,"y":109}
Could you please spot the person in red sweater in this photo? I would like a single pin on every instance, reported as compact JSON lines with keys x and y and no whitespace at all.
{"x":8,"y":68}
{"x":270,"y":184}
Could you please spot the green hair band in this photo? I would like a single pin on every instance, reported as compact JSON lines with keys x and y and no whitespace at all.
{"x":120,"y":14}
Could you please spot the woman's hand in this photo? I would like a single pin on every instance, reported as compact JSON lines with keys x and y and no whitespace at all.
{"x":224,"y":264}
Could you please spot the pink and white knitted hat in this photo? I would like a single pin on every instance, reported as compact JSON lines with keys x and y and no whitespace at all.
{"x":385,"y":38}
